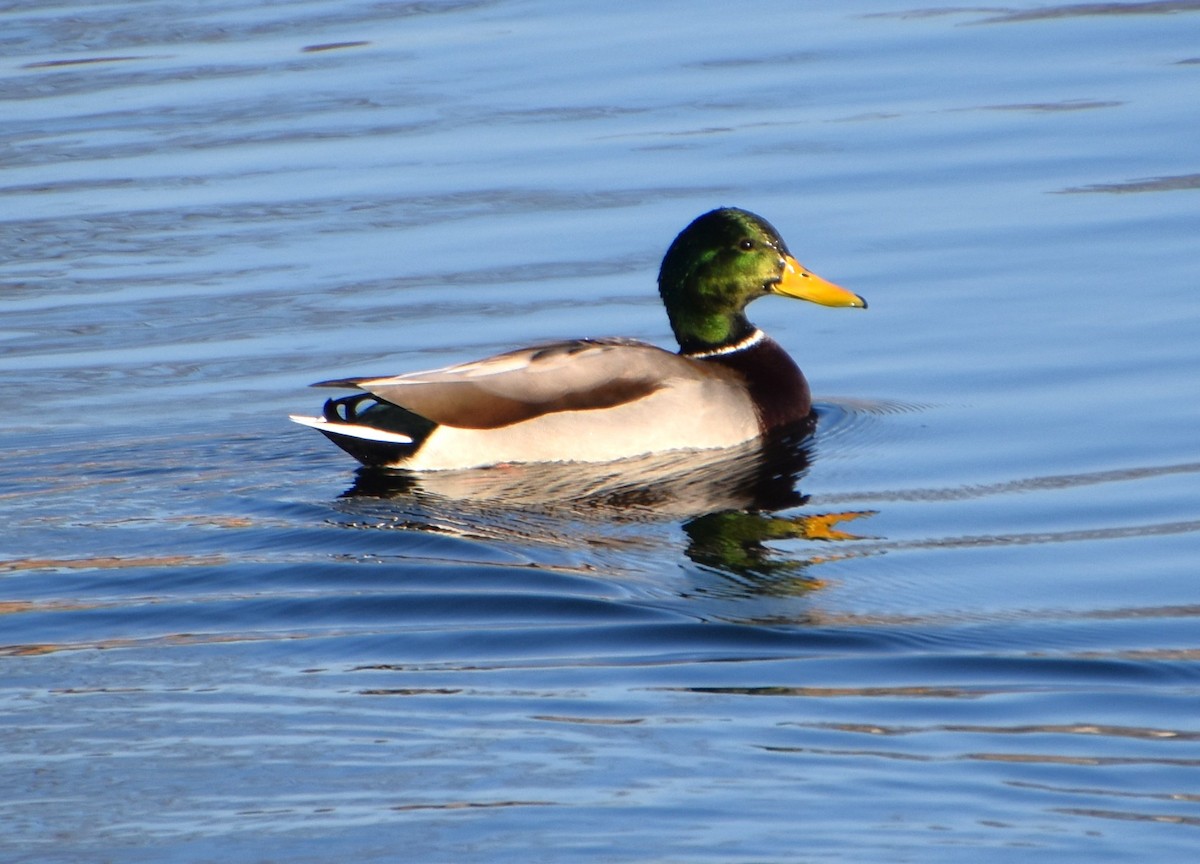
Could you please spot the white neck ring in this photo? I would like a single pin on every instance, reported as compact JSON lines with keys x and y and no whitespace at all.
{"x":741,"y":345}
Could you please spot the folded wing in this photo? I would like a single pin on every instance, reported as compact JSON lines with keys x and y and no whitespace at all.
{"x":580,"y":375}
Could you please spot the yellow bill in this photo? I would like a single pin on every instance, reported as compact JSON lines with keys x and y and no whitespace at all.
{"x":799,"y":282}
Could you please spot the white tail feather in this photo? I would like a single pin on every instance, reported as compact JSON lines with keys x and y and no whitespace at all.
{"x":352,"y":430}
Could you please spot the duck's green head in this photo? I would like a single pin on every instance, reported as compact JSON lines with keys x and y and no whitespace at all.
{"x":722,"y":261}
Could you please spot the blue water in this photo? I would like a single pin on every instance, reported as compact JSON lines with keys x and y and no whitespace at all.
{"x":961,"y":624}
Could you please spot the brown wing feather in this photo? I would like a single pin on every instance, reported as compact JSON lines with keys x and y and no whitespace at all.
{"x":582,"y":375}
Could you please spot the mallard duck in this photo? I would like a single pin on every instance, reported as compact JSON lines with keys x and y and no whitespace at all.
{"x":598,"y":400}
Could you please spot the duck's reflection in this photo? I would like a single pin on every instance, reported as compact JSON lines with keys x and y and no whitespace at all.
{"x":730,"y":503}
{"x":734,"y":542}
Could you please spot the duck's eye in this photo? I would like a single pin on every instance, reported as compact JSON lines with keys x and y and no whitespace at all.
{"x":746,"y":245}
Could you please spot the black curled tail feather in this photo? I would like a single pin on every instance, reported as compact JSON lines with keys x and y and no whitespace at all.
{"x":363,"y":409}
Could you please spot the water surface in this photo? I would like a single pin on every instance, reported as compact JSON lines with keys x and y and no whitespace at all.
{"x":960,"y":621}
